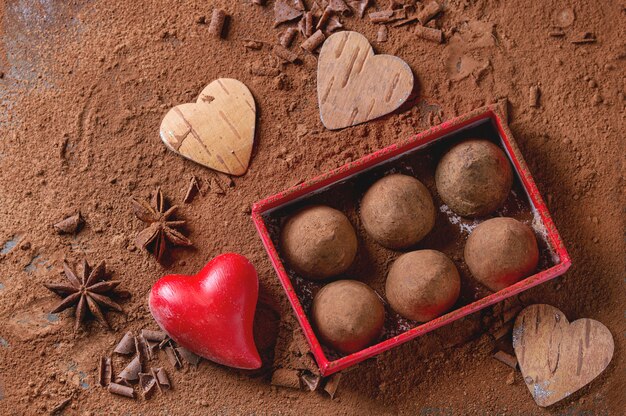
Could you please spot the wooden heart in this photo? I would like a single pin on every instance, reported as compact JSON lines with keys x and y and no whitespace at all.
{"x":354,"y":85}
{"x":557,"y":357}
{"x":216,"y":131}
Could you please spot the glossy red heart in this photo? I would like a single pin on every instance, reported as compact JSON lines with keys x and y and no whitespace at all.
{"x":212,"y":312}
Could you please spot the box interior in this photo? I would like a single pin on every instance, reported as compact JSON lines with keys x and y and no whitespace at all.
{"x":448,"y":236}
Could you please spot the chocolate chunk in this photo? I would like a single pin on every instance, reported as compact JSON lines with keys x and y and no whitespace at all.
{"x":428,"y":12}
{"x":283,"y":12}
{"x":126,"y":345}
{"x":382,"y":34}
{"x":154,"y":336}
{"x":131,"y":372}
{"x":287,"y":37}
{"x":147,"y":382}
{"x":121,"y":390}
{"x":216,"y":27}
{"x":331,"y":385}
{"x":105,"y":372}
{"x":172,"y":356}
{"x":188,"y":356}
{"x":285,"y":377}
{"x":314,"y":41}
{"x":433,"y":35}
{"x":70,"y":225}
{"x":311,"y":381}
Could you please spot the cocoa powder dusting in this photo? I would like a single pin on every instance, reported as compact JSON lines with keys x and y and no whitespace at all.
{"x":83,"y":88}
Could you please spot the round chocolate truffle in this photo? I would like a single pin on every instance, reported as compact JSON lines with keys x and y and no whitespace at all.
{"x":422,"y":285}
{"x":397,"y":211}
{"x":319,"y":242}
{"x":474,"y":178}
{"x":348,"y":315}
{"x":500,"y":252}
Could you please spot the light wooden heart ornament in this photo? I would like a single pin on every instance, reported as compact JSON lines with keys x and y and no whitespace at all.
{"x":216,"y":131}
{"x":354,"y":85}
{"x":557,"y":357}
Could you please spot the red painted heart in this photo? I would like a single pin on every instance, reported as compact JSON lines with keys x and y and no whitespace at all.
{"x":212,"y":312}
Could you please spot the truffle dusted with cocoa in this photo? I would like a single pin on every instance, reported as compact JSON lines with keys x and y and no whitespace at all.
{"x":501,"y":251}
{"x":319,"y":242}
{"x":422,"y":285}
{"x":397,"y":211}
{"x":348,"y":315}
{"x":474,"y":178}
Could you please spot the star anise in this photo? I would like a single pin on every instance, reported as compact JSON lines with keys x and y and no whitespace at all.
{"x":161,"y":229}
{"x":88,"y":293}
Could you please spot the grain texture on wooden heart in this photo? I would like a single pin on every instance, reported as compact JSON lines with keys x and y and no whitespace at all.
{"x":354,"y":85}
{"x":216,"y":131}
{"x":557,"y":357}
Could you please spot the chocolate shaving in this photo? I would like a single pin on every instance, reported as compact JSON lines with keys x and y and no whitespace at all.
{"x":428,"y":12}
{"x":506,"y":358}
{"x":126,"y":345}
{"x":216,"y":27}
{"x":283,"y":12}
{"x":188,"y":356}
{"x":285,"y":377}
{"x":167,"y":341}
{"x":121,"y":390}
{"x":316,"y":9}
{"x":314,"y":41}
{"x":161,"y":377}
{"x":311,"y":381}
{"x":428,"y":33}
{"x":382,"y":34}
{"x":154,"y":336}
{"x":382,"y":16}
{"x":333,"y":24}
{"x":533,"y":96}
{"x":131,"y":372}
{"x":253,"y":44}
{"x":339,"y":6}
{"x":359,"y":6}
{"x":56,"y":409}
{"x":105,"y":372}
{"x":404,"y":22}
{"x":558,"y":33}
{"x":306,"y":24}
{"x":585,"y":38}
{"x":324,"y":18}
{"x":287,"y":37}
{"x":70,"y":225}
{"x":284,"y":54}
{"x":331,"y":385}
{"x":172,"y":356}
{"x":192,"y":190}
{"x":147,"y":382}
{"x":142,"y":348}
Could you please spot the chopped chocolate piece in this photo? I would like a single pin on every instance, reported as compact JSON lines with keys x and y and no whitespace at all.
{"x":59,"y":407}
{"x":192,"y":190}
{"x":311,"y":381}
{"x":105,"y":372}
{"x":284,"y":53}
{"x":126,"y":345}
{"x":172,"y":356}
{"x":283,"y":12}
{"x":287,"y":37}
{"x":161,"y":377}
{"x":382,"y":16}
{"x":506,"y":358}
{"x":339,"y":6}
{"x":404,"y":21}
{"x":154,"y":336}
{"x":121,"y":390}
{"x":70,"y":225}
{"x":585,"y":38}
{"x":147,"y":382}
{"x":253,"y":44}
{"x":533,"y":96}
{"x":433,"y":35}
{"x":285,"y":377}
{"x":359,"y":6}
{"x":382,"y":34}
{"x":333,"y":24}
{"x":428,"y":12}
{"x":131,"y":372}
{"x":324,"y":18}
{"x":217,"y":23}
{"x":307,"y":29}
{"x":188,"y":356}
{"x":142,"y":348}
{"x":314,"y":41}
{"x":331,"y":385}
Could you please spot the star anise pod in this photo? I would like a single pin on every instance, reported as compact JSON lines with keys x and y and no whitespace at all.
{"x":88,"y":293}
{"x":161,"y":229}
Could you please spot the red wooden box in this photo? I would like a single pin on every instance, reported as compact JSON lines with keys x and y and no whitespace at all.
{"x":490,"y":114}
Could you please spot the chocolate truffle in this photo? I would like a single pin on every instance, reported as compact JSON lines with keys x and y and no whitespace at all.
{"x":474,"y":178}
{"x":500,"y":252}
{"x":348,"y":315}
{"x":397,"y":211}
{"x":422,"y":285}
{"x":319,"y":242}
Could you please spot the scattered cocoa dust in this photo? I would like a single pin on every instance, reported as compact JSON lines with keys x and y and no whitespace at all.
{"x":83,"y":88}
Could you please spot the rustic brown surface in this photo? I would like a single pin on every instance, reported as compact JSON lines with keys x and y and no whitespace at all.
{"x":217,"y":130}
{"x":354,"y":85}
{"x":85,"y":87}
{"x":557,"y":357}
